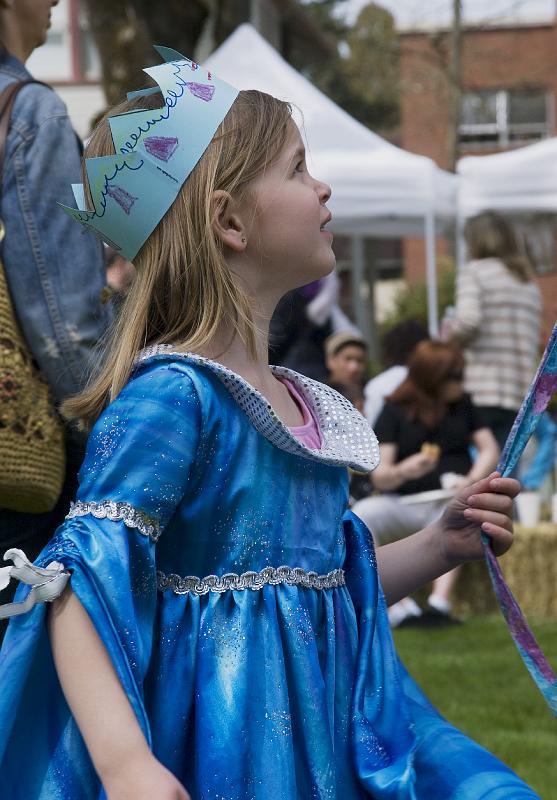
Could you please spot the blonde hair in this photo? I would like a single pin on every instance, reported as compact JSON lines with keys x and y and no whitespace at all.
{"x":489,"y":235}
{"x":183,"y":289}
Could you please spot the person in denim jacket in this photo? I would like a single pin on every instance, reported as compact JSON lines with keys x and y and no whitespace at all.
{"x":55,"y":270}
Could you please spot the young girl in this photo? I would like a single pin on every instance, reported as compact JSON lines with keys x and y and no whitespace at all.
{"x":223,"y":634}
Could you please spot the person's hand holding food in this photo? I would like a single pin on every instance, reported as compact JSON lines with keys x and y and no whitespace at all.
{"x":420,"y":464}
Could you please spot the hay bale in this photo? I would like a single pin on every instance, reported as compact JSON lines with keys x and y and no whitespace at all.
{"x":530,"y":569}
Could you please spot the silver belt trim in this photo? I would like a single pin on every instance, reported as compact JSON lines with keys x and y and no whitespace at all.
{"x":293,"y":576}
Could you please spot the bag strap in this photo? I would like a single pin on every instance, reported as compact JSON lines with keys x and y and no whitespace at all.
{"x":7,"y":99}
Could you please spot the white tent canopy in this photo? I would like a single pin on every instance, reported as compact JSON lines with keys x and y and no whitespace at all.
{"x":378,"y":189}
{"x":523,"y":180}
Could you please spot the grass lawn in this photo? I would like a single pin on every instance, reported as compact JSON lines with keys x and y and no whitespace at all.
{"x":477,"y":680}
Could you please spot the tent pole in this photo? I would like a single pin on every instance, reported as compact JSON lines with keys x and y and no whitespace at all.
{"x":431,"y":275}
{"x":460,"y":242}
{"x":358,"y":265}
{"x":362,"y":293}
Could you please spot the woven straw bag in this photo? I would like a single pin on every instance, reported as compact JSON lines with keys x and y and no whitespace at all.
{"x":32,"y":452}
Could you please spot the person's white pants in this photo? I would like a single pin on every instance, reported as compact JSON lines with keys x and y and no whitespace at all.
{"x":389,"y":520}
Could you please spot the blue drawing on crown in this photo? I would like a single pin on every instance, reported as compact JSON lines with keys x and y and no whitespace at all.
{"x":124,"y":199}
{"x":161,"y":147}
{"x":160,"y":156}
{"x":86,"y":216}
{"x":202,"y":91}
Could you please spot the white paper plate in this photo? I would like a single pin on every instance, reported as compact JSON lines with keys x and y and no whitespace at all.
{"x":434,"y":496}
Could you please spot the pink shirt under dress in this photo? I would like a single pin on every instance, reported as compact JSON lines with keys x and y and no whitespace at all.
{"x":308,"y":433}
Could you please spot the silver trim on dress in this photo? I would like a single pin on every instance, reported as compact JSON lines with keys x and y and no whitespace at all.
{"x":293,"y":576}
{"x":117,"y":512}
{"x":347,"y":437}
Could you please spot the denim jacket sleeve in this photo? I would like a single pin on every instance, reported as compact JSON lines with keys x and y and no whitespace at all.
{"x":54,"y":268}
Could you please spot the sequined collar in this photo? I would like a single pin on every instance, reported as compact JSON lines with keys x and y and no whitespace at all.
{"x":347,"y":438}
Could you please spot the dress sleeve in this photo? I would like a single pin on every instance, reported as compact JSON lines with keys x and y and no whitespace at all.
{"x":135,"y":473}
{"x":544,"y":457}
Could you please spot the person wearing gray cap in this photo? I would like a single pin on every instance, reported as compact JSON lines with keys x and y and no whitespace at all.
{"x":346,"y":360}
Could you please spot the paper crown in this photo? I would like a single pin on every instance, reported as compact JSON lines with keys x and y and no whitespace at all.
{"x":156,"y":150}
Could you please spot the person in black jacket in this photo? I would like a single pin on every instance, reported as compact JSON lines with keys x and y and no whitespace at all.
{"x":295,"y":340}
{"x":425,"y":433}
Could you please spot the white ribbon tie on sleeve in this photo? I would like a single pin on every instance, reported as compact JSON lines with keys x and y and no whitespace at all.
{"x":47,"y":584}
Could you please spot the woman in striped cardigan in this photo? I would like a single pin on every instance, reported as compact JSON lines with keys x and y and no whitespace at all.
{"x":497,"y":321}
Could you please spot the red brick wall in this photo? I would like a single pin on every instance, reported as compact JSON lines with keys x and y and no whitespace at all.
{"x":548,"y":286}
{"x":424,"y":99}
{"x":501,"y":58}
{"x":414,"y":258}
{"x":498,"y":58}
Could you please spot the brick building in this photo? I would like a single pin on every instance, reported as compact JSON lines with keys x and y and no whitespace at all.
{"x":509,"y":99}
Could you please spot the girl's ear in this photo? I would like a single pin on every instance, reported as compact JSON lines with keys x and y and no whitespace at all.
{"x":227,"y":221}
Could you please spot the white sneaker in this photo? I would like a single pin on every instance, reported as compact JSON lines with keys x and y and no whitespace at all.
{"x":402,"y":610}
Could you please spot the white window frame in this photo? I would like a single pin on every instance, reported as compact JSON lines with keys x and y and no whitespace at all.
{"x":502,"y":128}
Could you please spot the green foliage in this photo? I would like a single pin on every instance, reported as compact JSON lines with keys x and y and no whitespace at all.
{"x":411,"y":300}
{"x":475,"y":677}
{"x":371,"y":70}
{"x":321,"y":13}
{"x":365,"y":80}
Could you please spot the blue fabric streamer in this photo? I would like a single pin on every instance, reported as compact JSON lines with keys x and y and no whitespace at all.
{"x":530,"y":413}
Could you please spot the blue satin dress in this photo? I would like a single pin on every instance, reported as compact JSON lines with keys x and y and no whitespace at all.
{"x":240,"y":604}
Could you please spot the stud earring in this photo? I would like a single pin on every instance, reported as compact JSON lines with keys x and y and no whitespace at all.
{"x":244,"y":240}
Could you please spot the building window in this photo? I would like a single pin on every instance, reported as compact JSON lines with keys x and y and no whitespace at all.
{"x":69,"y":54}
{"x":537,"y":234}
{"x":387,"y":256}
{"x":90,"y":64}
{"x":504,"y":118}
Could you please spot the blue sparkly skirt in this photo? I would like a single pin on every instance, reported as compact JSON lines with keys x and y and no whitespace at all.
{"x":283,"y":692}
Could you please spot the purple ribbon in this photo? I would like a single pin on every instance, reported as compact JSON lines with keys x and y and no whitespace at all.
{"x":534,"y":404}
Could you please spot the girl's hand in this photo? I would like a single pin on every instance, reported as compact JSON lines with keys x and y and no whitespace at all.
{"x":483,"y":506}
{"x":146,"y":779}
